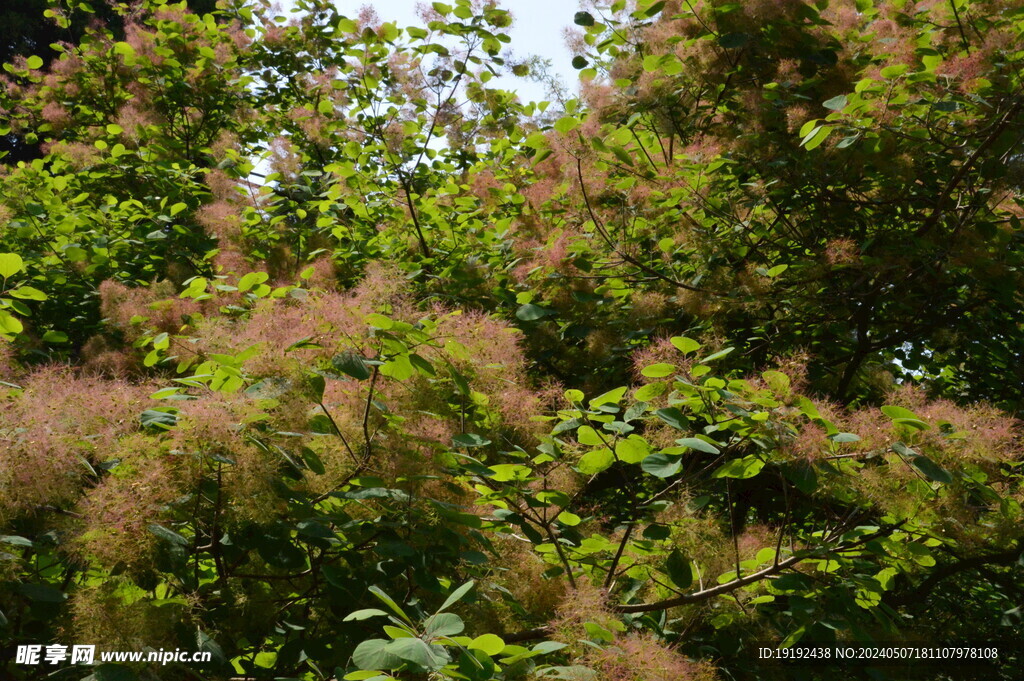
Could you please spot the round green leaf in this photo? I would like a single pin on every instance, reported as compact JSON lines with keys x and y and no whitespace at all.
{"x":531,"y":312}
{"x":588,"y":436}
{"x":895,"y":412}
{"x":662,"y":465}
{"x":674,"y":418}
{"x":10,"y":264}
{"x":371,"y":654}
{"x":489,"y":643}
{"x":470,"y":440}
{"x":741,"y":469}
{"x":685,"y":345}
{"x":844,"y":437}
{"x":659,"y":370}
{"x":595,"y":461}
{"x":837,"y":103}
{"x":679,"y":570}
{"x":632,"y":449}
{"x":650,"y":391}
{"x":583,"y":19}
{"x":9,"y":324}
{"x":444,"y":624}
{"x":27,"y":293}
{"x":569,"y":519}
{"x":351,"y":364}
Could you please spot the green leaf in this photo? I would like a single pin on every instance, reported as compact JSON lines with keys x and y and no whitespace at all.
{"x":27,"y":293}
{"x":352,"y":364}
{"x":926,"y":466}
{"x":650,"y":391}
{"x":685,"y":345}
{"x":75,"y":253}
{"x":622,"y":155}
{"x":588,"y":436}
{"x":252,"y":279}
{"x":802,"y":475}
{"x":905,"y":417}
{"x":313,"y":461}
{"x":569,"y":519}
{"x":363,"y":675}
{"x":372,"y":654}
{"x":416,"y":651}
{"x":161,"y":418}
{"x":698,"y":444}
{"x":456,"y":596}
{"x":814,"y":139}
{"x":718,"y":355}
{"x":807,"y":127}
{"x":732,"y":41}
{"x":596,"y":461}
{"x":470,"y":440}
{"x":9,"y":324}
{"x":15,"y":540}
{"x":777,"y":381}
{"x":388,"y":601}
{"x":662,"y":465}
{"x":10,"y":264}
{"x":443,"y":624}
{"x":422,"y":365}
{"x":42,"y":593}
{"x":168,"y":535}
{"x":673,"y":417}
{"x":488,"y":643}
{"x":567,"y":124}
{"x":318,"y":385}
{"x":895,"y":412}
{"x":34,"y":62}
{"x":837,"y":103}
{"x":659,"y":370}
{"x":844,"y":437}
{"x":612,"y":396}
{"x":531,"y":312}
{"x":741,"y":469}
{"x":895,"y":71}
{"x":655,"y":8}
{"x":632,"y":449}
{"x":55,"y":337}
{"x":679,"y":570}
{"x":379,"y":321}
{"x":657,"y":532}
{"x":399,"y":368}
{"x":364,"y":614}
{"x":579,"y":62}
{"x":583,"y":19}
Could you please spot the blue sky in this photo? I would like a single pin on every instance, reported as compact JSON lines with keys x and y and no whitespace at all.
{"x":537,"y":31}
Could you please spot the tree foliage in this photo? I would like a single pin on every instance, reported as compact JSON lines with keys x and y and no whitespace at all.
{"x":325,"y":355}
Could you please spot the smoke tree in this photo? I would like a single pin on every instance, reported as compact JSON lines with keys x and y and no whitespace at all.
{"x":325,"y":355}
